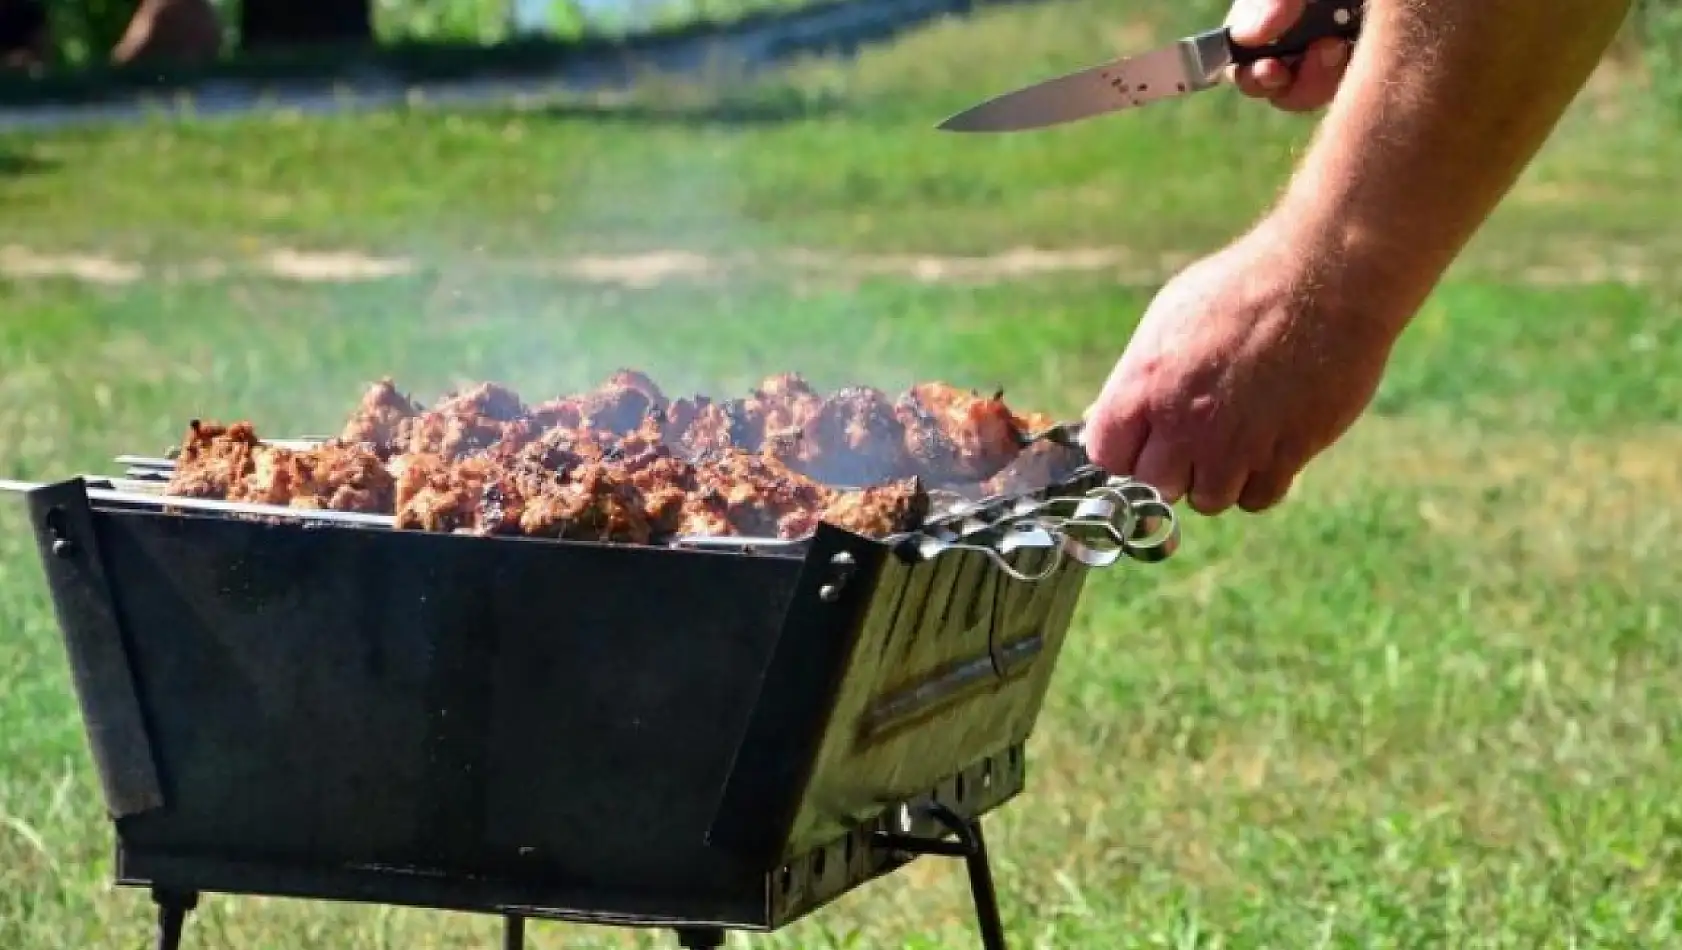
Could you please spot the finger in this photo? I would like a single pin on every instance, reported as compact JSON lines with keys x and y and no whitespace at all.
{"x":1264,"y":490}
{"x":1215,"y":487}
{"x":1317,"y":77}
{"x":1165,"y":466}
{"x":1256,"y":22}
{"x":1113,"y":440}
{"x":1263,"y":79}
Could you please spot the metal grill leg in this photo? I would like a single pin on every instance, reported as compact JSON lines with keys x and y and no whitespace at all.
{"x":173,"y":908}
{"x":972,"y":847}
{"x":513,"y":932}
{"x":987,"y":917}
{"x":700,"y":938}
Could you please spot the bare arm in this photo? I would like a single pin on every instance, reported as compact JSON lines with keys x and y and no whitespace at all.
{"x":1443,"y":105}
{"x":1255,"y":359}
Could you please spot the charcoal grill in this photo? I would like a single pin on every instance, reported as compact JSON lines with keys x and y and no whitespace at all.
{"x":712,"y":735}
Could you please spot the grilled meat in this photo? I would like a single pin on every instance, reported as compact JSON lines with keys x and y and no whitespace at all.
{"x":880,"y":510}
{"x":958,"y":435}
{"x":625,"y":463}
{"x":213,"y":459}
{"x":853,"y":438}
{"x":230,"y":463}
{"x":1037,"y":466}
{"x":335,"y":476}
{"x":379,"y":417}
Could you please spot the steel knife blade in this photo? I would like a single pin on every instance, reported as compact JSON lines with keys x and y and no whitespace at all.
{"x":1189,"y":65}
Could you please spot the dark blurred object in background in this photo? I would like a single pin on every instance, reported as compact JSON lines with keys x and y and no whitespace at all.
{"x":291,"y":24}
{"x":25,"y":41}
{"x":174,"y":31}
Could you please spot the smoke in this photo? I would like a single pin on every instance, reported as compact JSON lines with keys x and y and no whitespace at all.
{"x":614,"y":263}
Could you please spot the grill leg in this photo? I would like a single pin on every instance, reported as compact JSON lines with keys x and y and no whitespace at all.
{"x":173,"y":908}
{"x":700,"y":938}
{"x":980,"y":867}
{"x":972,"y":847}
{"x":513,"y":932}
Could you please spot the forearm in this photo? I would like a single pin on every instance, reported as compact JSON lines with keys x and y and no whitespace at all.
{"x":1444,"y":104}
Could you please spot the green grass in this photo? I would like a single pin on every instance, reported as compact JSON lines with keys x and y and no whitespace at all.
{"x":1433,"y":700}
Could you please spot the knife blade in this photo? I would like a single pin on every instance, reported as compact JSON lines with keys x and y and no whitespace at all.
{"x":1189,"y":65}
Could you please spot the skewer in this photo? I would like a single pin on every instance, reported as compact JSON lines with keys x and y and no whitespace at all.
{"x":149,"y":495}
{"x":168,"y":464}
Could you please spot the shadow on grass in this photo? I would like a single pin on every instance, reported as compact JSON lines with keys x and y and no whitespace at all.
{"x":18,"y":164}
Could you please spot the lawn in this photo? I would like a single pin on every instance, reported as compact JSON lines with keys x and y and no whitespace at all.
{"x":1433,"y":700}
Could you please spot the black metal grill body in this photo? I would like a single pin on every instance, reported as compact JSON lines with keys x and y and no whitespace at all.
{"x":635,"y":735}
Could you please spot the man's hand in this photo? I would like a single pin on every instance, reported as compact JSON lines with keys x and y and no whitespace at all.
{"x":1256,"y":359}
{"x":1304,"y":87}
{"x":1239,"y":373}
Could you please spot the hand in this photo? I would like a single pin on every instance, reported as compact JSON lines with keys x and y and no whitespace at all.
{"x":1314,"y":81}
{"x":1237,"y":376}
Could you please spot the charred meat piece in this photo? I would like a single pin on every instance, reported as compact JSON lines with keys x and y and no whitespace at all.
{"x":434,"y":494}
{"x":958,"y":435}
{"x":463,"y":423}
{"x":1039,"y":466}
{"x":483,"y":400}
{"x":854,"y":438}
{"x":706,"y":513}
{"x":757,"y":491}
{"x":621,"y":404}
{"x":632,"y":379}
{"x":701,"y":426}
{"x":379,"y":416}
{"x":451,"y":436}
{"x":592,"y":504}
{"x":335,"y":476}
{"x":624,"y":463}
{"x":781,"y":404}
{"x":567,"y":412}
{"x":880,"y":510}
{"x":213,"y":459}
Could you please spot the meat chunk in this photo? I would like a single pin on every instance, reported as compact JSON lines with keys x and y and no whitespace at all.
{"x":434,"y":494}
{"x":380,"y":416}
{"x":1038,"y":467}
{"x":213,"y":459}
{"x":854,"y":438}
{"x":957,"y":435}
{"x":334,"y":476}
{"x":625,"y":463}
{"x":881,"y":510}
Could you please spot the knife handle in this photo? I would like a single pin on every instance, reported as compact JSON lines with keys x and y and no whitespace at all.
{"x":1322,"y":19}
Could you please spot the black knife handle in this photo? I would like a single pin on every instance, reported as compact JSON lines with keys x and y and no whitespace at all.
{"x":1322,"y":19}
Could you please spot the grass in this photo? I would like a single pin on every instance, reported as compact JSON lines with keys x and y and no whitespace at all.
{"x":1434,"y":700}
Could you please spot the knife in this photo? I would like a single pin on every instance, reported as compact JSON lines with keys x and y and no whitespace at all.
{"x":1190,"y":65}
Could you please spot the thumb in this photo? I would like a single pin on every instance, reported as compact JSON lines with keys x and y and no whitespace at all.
{"x":1257,"y":22}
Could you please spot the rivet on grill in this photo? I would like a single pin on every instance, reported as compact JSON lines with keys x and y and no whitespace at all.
{"x":843,"y":563}
{"x":62,"y":545}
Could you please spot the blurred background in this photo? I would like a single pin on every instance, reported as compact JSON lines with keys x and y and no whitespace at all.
{"x":1435,"y":699}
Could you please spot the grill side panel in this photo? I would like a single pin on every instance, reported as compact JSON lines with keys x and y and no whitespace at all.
{"x":957,"y":675}
{"x":553,"y":714}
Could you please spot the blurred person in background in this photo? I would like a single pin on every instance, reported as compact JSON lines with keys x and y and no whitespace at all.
{"x":173,"y":31}
{"x":1254,"y":360}
{"x":25,"y":40}
{"x":176,"y":31}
